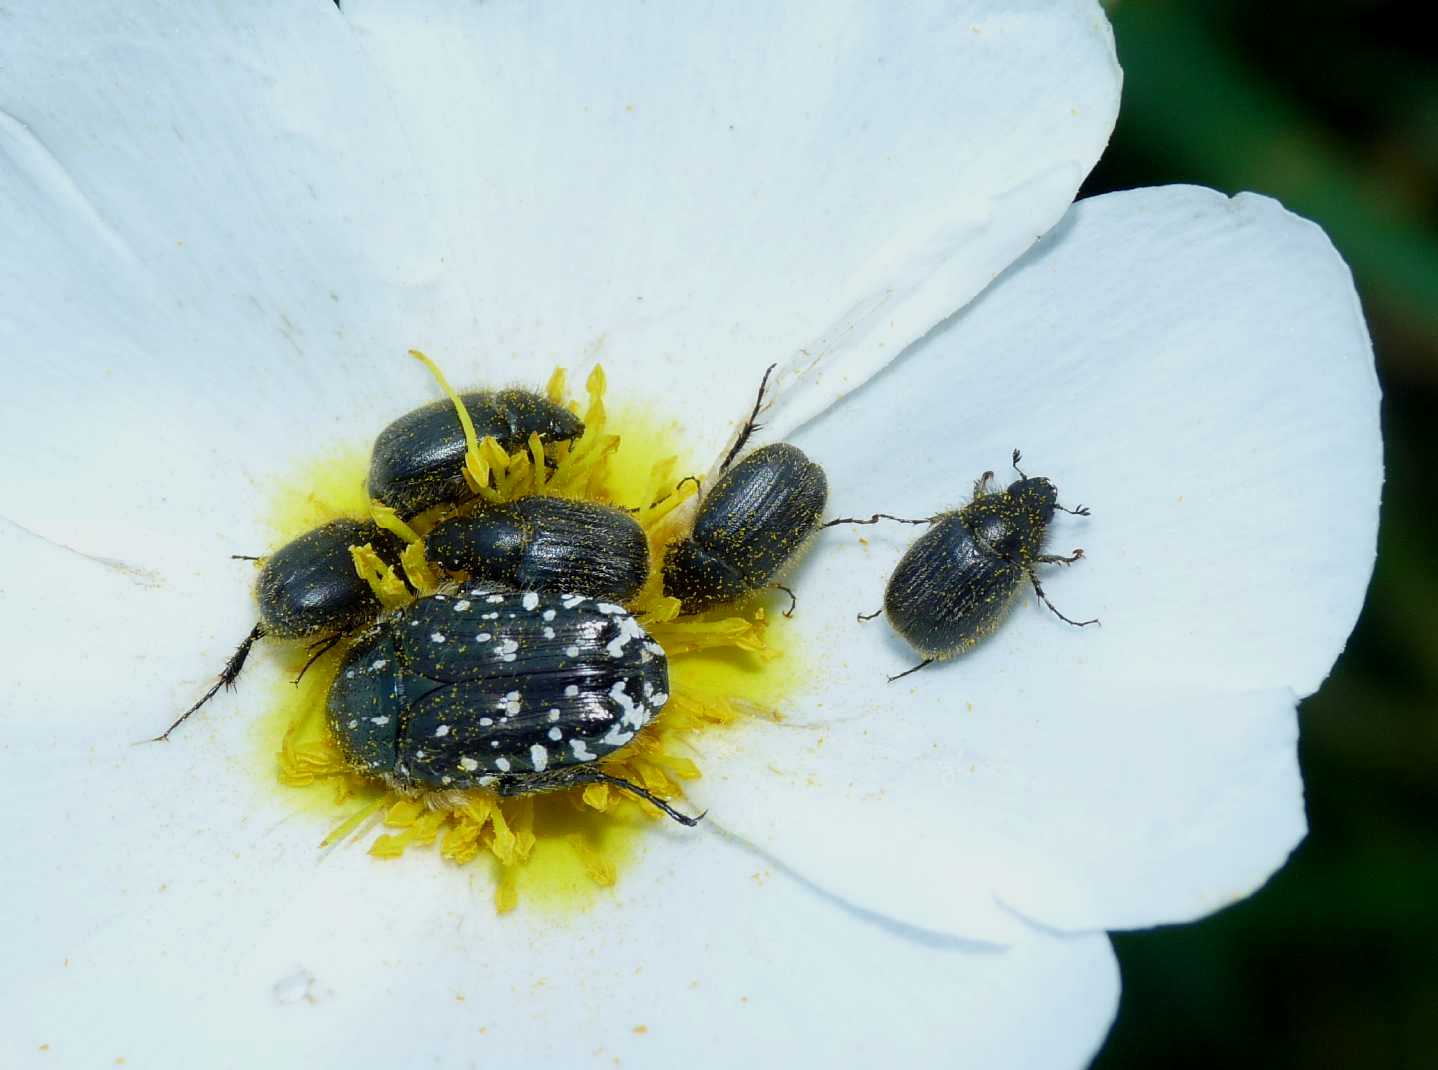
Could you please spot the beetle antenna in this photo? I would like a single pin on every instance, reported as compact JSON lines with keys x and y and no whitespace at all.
{"x":749,"y":425}
{"x":634,"y":789}
{"x":226,"y":680}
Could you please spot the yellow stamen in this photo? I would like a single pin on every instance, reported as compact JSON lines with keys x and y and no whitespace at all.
{"x":716,"y":661}
{"x":474,"y":471}
{"x":387,"y":587}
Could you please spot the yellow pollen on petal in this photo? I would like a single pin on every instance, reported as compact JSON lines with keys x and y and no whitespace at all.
{"x":561,"y":850}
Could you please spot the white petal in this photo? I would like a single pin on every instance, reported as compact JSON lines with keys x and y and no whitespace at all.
{"x":163,"y":900}
{"x":693,"y":198}
{"x":1197,"y":370}
{"x":216,"y":255}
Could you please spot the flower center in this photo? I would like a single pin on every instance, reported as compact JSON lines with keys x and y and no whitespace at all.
{"x":557,"y":848}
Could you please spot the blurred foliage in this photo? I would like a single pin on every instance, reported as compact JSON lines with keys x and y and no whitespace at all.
{"x":1331,"y":107}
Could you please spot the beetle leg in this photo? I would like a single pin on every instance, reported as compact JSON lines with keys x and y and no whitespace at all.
{"x":793,"y":601}
{"x":916,"y":668}
{"x":870,"y":616}
{"x":1038,"y":590}
{"x":981,"y":485}
{"x":594,"y":776}
{"x":1082,"y":510}
{"x":875,"y":519}
{"x":245,"y":557}
{"x":749,"y":425}
{"x":226,"y":679}
{"x":1056,"y":559}
{"x":1018,"y":457}
{"x":698,"y":486}
{"x":318,"y":650}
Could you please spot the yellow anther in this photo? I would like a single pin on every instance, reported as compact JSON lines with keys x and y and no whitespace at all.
{"x":555,"y":389}
{"x":387,"y":587}
{"x":472,"y":467}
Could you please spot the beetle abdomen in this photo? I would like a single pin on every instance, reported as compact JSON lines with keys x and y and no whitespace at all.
{"x":310,"y":585}
{"x":418,"y":460}
{"x":948,"y":590}
{"x":582,"y":546}
{"x":750,"y":526}
{"x":498,"y":682}
{"x":547,"y":544}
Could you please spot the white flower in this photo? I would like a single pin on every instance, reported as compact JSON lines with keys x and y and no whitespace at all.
{"x":222,"y":231}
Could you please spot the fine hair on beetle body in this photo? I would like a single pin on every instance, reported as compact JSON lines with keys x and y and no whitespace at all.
{"x":751,"y":526}
{"x":518,"y":692}
{"x":311,"y":588}
{"x":954,"y":584}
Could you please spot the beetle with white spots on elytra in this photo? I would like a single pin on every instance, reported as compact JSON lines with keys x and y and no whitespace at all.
{"x":518,"y":692}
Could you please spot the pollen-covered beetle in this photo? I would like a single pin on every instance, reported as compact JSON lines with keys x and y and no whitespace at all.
{"x":750,"y":526}
{"x":546,"y":544}
{"x":515,"y":691}
{"x":951,"y":588}
{"x":418,"y":460}
{"x":309,"y":587}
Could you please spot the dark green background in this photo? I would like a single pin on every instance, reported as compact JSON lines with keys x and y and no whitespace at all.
{"x":1332,"y":107}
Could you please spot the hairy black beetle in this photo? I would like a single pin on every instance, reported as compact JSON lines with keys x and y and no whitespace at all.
{"x":515,"y":691}
{"x":546,"y":544}
{"x":750,"y":526}
{"x":951,"y":588}
{"x":309,"y":587}
{"x":418,"y":460}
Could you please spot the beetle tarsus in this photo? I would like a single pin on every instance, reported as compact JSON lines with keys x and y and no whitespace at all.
{"x":634,"y":789}
{"x":981,"y":485}
{"x":793,"y":600}
{"x":750,"y":426}
{"x":1039,"y":590}
{"x":916,"y":668}
{"x":869,"y":616}
{"x":698,"y":485}
{"x":875,"y":519}
{"x":318,"y":650}
{"x":1058,"y":559}
{"x":225,"y":680}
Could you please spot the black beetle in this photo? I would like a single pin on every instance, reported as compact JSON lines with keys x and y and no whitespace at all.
{"x":308,"y":587}
{"x":418,"y":460}
{"x":546,"y":544}
{"x":953,"y":585}
{"x":514,"y":691}
{"x":750,"y":526}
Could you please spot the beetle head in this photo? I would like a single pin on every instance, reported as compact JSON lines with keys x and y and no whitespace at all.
{"x":1036,"y":496}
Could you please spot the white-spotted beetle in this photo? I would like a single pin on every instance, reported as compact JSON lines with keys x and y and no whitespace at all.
{"x":309,"y":587}
{"x":546,"y":544}
{"x":418,"y":460}
{"x":750,"y":526}
{"x":952,"y":586}
{"x":514,"y":691}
